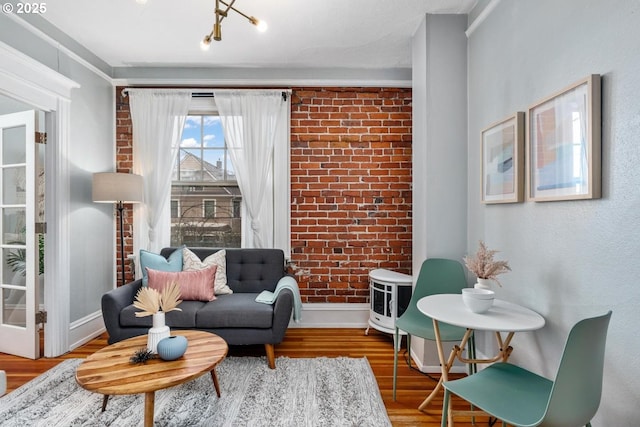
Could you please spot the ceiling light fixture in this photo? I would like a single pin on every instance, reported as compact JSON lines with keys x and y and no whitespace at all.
{"x":216,"y":31}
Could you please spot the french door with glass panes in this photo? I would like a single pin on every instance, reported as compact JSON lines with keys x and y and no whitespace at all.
{"x":20,"y":255}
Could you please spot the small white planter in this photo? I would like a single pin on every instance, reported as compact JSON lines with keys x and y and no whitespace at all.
{"x":157,"y":332}
{"x":483,"y":284}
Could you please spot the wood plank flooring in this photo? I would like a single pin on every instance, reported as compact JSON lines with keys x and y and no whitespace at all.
{"x":413,"y":386}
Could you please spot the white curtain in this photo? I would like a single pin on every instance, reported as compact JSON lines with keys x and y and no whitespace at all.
{"x":158,"y":116}
{"x":252,"y":121}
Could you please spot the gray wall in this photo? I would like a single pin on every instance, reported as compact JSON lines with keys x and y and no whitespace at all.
{"x":439,"y":136}
{"x":570,"y":259}
{"x":438,"y":147}
{"x":92,"y":237}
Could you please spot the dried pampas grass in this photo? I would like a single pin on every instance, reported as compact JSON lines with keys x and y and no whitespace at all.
{"x":484,"y":266}
{"x":151,"y":301}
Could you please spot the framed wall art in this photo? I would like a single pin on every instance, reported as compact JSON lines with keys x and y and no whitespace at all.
{"x":563,"y":144}
{"x":502,"y":161}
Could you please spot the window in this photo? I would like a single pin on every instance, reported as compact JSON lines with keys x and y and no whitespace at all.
{"x":237,"y":205}
{"x":209,"y":208}
{"x":205,"y":198}
{"x":175,"y":208}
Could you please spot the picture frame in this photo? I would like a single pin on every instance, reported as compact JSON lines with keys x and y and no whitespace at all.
{"x":502,"y":156}
{"x":563,"y":144}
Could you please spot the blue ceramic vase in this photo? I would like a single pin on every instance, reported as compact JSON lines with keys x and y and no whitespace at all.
{"x":173,"y":347}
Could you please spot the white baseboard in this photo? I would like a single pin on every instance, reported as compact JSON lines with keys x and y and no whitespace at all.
{"x":84,"y":330}
{"x":333,"y":315}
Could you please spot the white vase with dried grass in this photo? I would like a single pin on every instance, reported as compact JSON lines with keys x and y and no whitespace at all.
{"x":485,"y":267}
{"x":156,"y":304}
{"x":159,"y":331}
{"x":482,"y":283}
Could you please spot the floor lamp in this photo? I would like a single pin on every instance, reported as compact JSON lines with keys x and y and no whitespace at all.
{"x":118,"y":188}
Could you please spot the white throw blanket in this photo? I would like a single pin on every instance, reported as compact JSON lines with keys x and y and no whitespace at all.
{"x":287,"y":282}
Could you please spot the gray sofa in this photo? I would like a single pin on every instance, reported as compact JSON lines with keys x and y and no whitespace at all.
{"x":237,"y":317}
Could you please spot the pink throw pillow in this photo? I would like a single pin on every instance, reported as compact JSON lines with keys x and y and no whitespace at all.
{"x":194,"y":285}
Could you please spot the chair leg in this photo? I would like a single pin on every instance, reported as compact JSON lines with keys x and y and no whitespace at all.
{"x":409,"y":348}
{"x":445,"y":408}
{"x":395,"y":362}
{"x":473,"y":368}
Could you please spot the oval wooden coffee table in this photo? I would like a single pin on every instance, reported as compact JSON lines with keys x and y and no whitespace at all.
{"x":108,"y":370}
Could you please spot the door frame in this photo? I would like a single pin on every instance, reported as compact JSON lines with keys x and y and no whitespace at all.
{"x":29,"y":81}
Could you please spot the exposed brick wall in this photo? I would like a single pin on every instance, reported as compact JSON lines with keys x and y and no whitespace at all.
{"x":350,"y":187}
{"x":124,"y":164}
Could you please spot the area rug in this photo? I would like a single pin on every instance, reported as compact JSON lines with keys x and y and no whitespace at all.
{"x":299,"y":392}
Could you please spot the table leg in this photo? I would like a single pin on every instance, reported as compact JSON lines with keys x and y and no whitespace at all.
{"x":149,"y":401}
{"x":105,"y":399}
{"x":444,"y":366}
{"x":433,"y":393}
{"x":504,"y":347}
{"x":215,"y":381}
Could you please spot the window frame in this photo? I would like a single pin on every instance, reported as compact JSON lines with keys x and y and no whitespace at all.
{"x":203,"y":107}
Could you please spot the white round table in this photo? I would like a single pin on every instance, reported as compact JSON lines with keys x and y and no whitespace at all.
{"x":503,"y":316}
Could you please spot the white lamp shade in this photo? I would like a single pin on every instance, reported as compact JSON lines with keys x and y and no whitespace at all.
{"x":112,"y":187}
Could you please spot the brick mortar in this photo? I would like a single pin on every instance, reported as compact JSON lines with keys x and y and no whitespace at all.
{"x":350,"y":189}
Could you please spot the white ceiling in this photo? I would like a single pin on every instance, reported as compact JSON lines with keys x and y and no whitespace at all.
{"x":302,"y":33}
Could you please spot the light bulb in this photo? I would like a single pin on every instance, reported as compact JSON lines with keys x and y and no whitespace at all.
{"x":262,"y":26}
{"x":141,"y":1}
{"x":205,"y":43}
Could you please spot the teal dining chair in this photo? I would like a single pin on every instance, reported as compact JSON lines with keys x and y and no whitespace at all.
{"x":523,"y":399}
{"x":437,"y":276}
